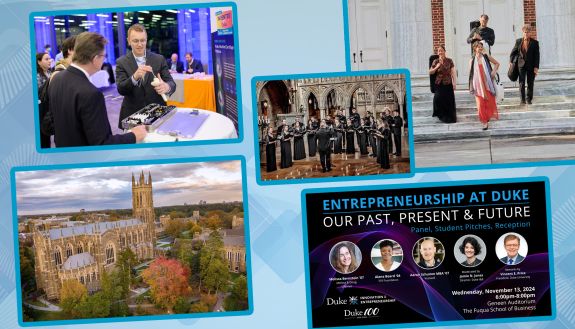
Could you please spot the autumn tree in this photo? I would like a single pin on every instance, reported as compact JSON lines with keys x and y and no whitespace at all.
{"x":168,"y":281}
{"x":72,"y":294}
{"x":175,"y":227}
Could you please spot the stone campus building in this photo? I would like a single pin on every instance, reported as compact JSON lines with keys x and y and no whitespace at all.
{"x":85,"y":251}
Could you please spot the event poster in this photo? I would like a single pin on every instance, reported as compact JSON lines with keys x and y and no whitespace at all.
{"x":429,"y":254}
{"x":225,"y":64}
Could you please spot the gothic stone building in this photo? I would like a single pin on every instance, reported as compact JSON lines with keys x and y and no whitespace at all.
{"x":85,"y":251}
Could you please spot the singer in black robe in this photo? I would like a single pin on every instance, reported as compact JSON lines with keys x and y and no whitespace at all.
{"x":362,"y":139}
{"x":270,"y":142}
{"x":285,"y":148}
{"x":312,"y":128}
{"x":298,"y":144}
{"x":383,"y":140}
{"x":338,"y":145}
{"x":349,"y":138}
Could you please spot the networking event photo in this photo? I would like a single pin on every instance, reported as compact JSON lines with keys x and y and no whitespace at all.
{"x":145,"y":76}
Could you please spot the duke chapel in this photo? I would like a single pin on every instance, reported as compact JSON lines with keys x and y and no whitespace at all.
{"x":83,"y":252}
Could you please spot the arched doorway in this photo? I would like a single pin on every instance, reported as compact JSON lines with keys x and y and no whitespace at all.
{"x":361,"y":100}
{"x":331,"y":102}
{"x":273,"y":100}
{"x":386,"y":99}
{"x":313,"y":107}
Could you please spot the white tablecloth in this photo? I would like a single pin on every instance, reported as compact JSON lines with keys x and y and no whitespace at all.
{"x":216,"y":126}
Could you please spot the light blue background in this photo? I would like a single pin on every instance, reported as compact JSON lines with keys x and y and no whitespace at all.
{"x":275,"y":37}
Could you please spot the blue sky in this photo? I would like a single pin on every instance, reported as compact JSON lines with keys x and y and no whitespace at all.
{"x":54,"y":191}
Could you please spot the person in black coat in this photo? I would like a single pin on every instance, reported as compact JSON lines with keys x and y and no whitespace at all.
{"x":193,"y":65}
{"x":349,"y":138}
{"x":312,"y":128}
{"x":339,"y":130}
{"x":383,"y":139}
{"x":396,"y":128}
{"x":270,"y":142}
{"x":482,"y":33}
{"x":362,"y":137}
{"x":324,"y":135}
{"x":174,"y":65}
{"x":135,"y":72}
{"x":285,"y":147}
{"x":78,"y":107}
{"x":298,"y":144}
{"x":526,"y":50}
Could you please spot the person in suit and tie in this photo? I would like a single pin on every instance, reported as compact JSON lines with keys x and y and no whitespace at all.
{"x":78,"y":107}
{"x":174,"y":64}
{"x":526,"y":51}
{"x":512,"y":243}
{"x":193,"y":65}
{"x":135,"y":72}
{"x":324,"y":136}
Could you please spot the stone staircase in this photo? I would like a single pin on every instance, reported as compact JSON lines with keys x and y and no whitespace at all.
{"x":552,"y":113}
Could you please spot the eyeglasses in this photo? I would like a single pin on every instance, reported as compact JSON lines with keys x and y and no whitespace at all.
{"x":139,"y":40}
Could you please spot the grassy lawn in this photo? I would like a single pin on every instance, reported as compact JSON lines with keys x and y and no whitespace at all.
{"x":49,"y":316}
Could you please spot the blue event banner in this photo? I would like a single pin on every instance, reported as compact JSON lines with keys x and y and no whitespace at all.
{"x":443,"y":254}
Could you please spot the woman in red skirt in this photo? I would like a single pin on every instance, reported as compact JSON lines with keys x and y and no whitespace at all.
{"x":481,"y":84}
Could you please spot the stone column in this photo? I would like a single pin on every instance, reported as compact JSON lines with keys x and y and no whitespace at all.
{"x":556,"y":33}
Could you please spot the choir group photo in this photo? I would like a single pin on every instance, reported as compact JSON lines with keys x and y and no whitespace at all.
{"x":333,"y":126}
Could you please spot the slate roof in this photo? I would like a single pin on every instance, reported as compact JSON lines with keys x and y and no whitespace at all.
{"x":92,"y":228}
{"x":78,"y":261}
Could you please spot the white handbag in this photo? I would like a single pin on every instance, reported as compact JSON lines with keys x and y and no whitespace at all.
{"x":499,"y":90}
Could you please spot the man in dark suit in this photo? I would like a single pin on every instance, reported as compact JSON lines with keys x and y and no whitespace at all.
{"x":193,"y":65}
{"x":135,"y":72}
{"x":512,"y":243}
{"x":78,"y":107}
{"x":174,"y":64}
{"x":324,"y":136}
{"x":526,"y":51}
{"x":396,"y":127}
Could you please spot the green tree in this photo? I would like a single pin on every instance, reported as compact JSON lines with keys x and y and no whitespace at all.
{"x":95,"y":306}
{"x":176,"y":214}
{"x":199,"y":307}
{"x":216,"y":276}
{"x":181,"y":306}
{"x":27,"y":267}
{"x":72,"y":294}
{"x":213,"y":270}
{"x":115,"y":288}
{"x":126,"y":261}
{"x":238,"y":299}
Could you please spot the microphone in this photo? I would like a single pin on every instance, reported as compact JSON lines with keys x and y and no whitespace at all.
{"x":155,"y":83}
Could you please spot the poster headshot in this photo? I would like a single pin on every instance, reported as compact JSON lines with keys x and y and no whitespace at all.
{"x":470,"y":250}
{"x":386,"y":255}
{"x":428,"y":253}
{"x":511,"y":248}
{"x":345,"y":257}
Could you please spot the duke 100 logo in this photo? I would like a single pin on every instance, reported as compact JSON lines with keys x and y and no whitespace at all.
{"x":367,"y":313}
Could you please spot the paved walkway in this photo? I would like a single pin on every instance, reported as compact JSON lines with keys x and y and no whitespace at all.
{"x":494,"y":150}
{"x":49,"y":306}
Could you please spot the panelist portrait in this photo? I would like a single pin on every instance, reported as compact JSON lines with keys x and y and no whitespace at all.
{"x":511,"y":248}
{"x":386,"y":255}
{"x":428,"y":253}
{"x":469,"y":250}
{"x":345,"y":257}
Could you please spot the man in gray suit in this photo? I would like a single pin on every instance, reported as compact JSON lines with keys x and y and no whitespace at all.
{"x":512,"y":244}
{"x":135,"y":72}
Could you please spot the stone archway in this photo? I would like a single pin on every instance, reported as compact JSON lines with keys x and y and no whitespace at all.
{"x":273,"y":99}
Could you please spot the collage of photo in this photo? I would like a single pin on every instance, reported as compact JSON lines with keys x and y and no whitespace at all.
{"x":429,"y":86}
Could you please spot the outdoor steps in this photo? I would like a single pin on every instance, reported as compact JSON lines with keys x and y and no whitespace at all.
{"x":552,"y":113}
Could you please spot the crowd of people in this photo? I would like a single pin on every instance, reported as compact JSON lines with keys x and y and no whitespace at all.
{"x":483,"y":73}
{"x":378,"y":138}
{"x":73,"y":110}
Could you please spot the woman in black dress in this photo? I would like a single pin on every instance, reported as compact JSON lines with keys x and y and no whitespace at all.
{"x":285,"y":148}
{"x":298,"y":144}
{"x":270,"y":142}
{"x":362,"y":137}
{"x":339,"y":129}
{"x":312,"y":127}
{"x":383,"y":140}
{"x":445,"y":80}
{"x":349,"y":139}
